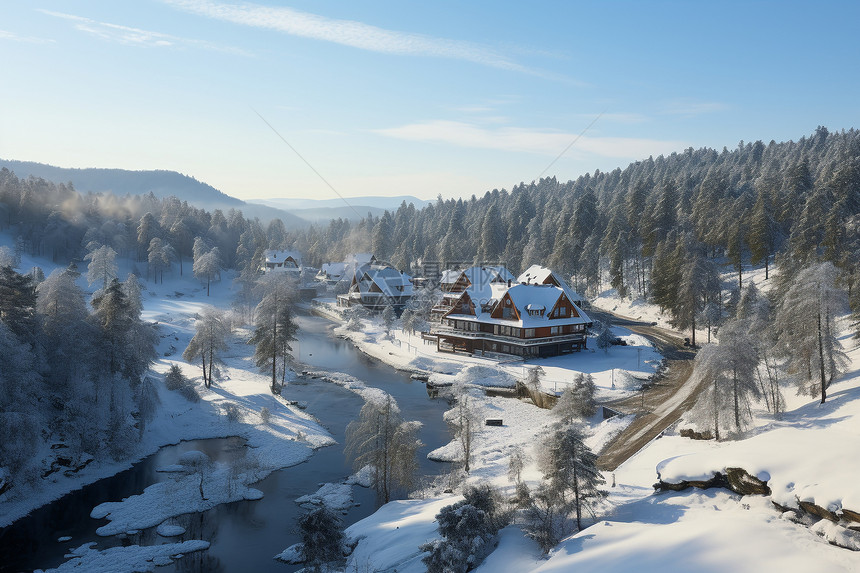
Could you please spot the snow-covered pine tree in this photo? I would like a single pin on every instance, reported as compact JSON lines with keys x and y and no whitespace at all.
{"x":209,"y":340}
{"x":275,"y":328}
{"x":388,"y":318}
{"x":570,"y":470}
{"x":102,"y":265}
{"x":804,"y":324}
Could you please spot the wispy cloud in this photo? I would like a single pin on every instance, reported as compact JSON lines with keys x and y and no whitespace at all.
{"x":136,"y":36}
{"x":528,"y":140}
{"x":350,"y":33}
{"x":12,"y":37}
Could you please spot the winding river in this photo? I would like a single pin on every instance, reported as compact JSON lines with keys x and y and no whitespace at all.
{"x":246,"y":535}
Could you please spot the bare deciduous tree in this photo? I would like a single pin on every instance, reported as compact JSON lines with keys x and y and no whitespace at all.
{"x":380,"y":438}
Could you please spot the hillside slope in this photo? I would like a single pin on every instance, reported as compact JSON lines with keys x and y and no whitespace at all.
{"x":161,"y":183}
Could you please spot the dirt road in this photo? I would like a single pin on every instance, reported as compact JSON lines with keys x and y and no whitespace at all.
{"x":658,"y":406}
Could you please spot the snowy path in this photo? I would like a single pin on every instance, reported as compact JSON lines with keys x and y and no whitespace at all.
{"x":659,"y":406}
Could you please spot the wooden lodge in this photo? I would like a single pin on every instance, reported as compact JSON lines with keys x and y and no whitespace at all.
{"x":529,"y":320}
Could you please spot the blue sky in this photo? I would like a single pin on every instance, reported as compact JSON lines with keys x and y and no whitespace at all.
{"x":421,"y":98}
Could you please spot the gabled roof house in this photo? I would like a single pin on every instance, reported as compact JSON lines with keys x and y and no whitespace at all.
{"x":538,"y":274}
{"x":528,"y":320}
{"x":376,"y":285}
{"x":289,"y":262}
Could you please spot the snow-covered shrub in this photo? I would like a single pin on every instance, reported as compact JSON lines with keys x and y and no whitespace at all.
{"x":468,"y":530}
{"x":18,"y":438}
{"x":522,"y":496}
{"x":175,"y":380}
{"x":354,"y":316}
{"x":232,"y":412}
{"x":265,"y":415}
{"x":486,"y":376}
{"x":516,"y":463}
{"x":321,"y":532}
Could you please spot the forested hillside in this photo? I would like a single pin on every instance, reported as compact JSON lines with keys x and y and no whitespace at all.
{"x":641,"y":225}
{"x":748,"y":204}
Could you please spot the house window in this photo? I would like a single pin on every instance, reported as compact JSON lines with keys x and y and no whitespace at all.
{"x":530,"y":333}
{"x":496,"y":329}
{"x":553,"y":330}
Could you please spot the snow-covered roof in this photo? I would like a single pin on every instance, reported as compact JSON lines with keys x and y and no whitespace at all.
{"x":536,"y":274}
{"x":539,"y":274}
{"x":450,"y":276}
{"x":545,"y":296}
{"x":389,"y":280}
{"x":487,"y":274}
{"x":525,"y":297}
{"x":275,"y":256}
{"x":334,"y":270}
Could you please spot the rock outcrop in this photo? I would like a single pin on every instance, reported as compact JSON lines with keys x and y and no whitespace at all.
{"x":735,"y":479}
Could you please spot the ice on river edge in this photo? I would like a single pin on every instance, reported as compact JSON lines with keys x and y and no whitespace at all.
{"x":131,"y":558}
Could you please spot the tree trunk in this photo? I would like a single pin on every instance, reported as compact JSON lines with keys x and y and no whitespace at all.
{"x":693,"y":337}
{"x":205,"y":376}
{"x":211,"y":361}
{"x":821,"y":361}
{"x":737,"y":405}
{"x":716,"y":414}
{"x":274,"y":355}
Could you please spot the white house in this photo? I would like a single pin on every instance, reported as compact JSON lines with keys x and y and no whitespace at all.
{"x":289,"y":262}
{"x":376,"y":285}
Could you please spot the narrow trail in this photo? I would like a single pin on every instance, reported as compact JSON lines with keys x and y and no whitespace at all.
{"x":659,"y":405}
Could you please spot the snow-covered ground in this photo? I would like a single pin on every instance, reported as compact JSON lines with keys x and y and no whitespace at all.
{"x":809,"y":455}
{"x":612,"y":370}
{"x":287,"y":437}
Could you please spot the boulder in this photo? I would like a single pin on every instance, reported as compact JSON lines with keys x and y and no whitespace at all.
{"x":851,"y":515}
{"x":694,"y":435}
{"x":817,"y":511}
{"x":735,"y":479}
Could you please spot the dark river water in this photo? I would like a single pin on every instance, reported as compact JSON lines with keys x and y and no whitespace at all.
{"x":245,"y":535}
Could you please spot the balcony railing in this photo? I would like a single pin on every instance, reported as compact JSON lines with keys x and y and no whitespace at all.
{"x":476,"y":335}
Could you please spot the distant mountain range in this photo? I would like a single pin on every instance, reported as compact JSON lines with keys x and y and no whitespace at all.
{"x":354,"y":208}
{"x":160,"y":182}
